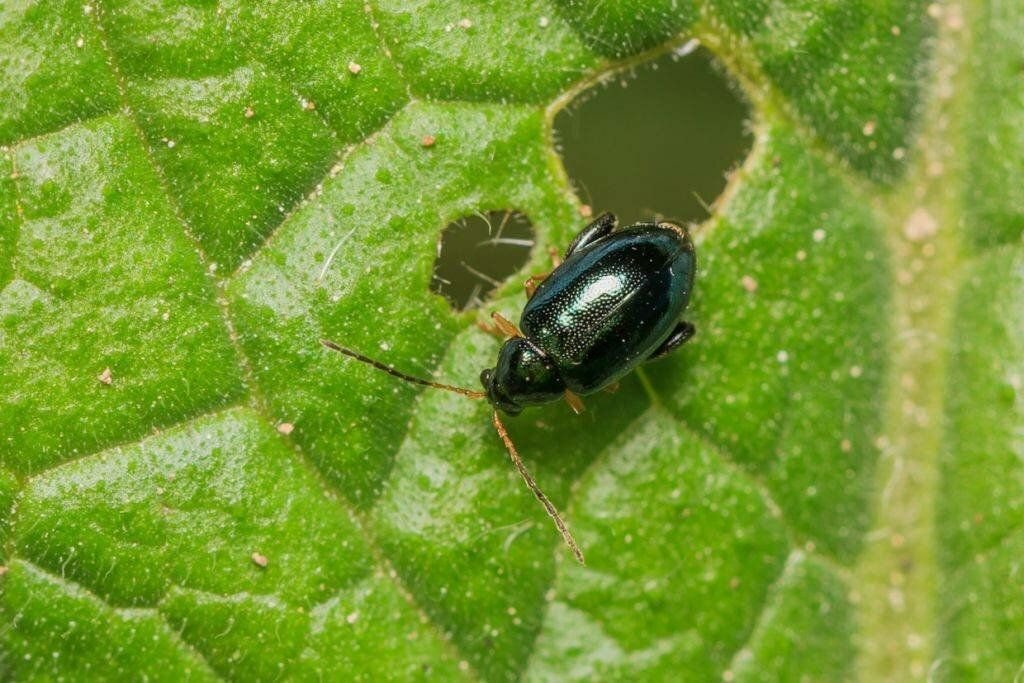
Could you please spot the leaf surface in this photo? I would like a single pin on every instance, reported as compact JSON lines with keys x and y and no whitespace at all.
{"x":826,"y":483}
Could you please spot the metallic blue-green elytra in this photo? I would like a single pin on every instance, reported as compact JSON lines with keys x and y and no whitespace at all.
{"x":614,"y":303}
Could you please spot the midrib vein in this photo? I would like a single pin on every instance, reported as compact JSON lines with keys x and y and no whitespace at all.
{"x":895,"y":577}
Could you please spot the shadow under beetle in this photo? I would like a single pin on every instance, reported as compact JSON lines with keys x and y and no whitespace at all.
{"x":613,"y":303}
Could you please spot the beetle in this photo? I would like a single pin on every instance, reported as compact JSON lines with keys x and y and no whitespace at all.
{"x":613,"y":303}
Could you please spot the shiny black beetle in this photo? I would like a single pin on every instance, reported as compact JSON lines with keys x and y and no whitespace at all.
{"x":614,"y":303}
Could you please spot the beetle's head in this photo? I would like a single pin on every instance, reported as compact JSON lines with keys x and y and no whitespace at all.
{"x":522,"y":376}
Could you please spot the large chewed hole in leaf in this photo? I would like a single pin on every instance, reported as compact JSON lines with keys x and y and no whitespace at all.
{"x":656,"y":141}
{"x":476,"y":253}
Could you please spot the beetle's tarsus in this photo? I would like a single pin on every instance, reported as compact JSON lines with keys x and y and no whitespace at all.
{"x":575,"y":402}
{"x":505,"y":326}
{"x":490,"y":328}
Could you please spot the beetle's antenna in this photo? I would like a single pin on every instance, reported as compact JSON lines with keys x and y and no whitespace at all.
{"x":548,"y":505}
{"x":401,"y":375}
{"x":498,"y":425}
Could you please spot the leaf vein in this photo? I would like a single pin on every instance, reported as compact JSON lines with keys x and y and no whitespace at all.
{"x":129,"y":113}
{"x":371,"y":10}
{"x":75,"y":587}
{"x":770,"y":596}
{"x":797,"y":540}
{"x":111,"y":448}
{"x":19,"y":213}
{"x":380,"y":558}
{"x":13,"y":145}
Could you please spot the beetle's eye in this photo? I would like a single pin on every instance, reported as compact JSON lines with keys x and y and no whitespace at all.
{"x":476,"y":253}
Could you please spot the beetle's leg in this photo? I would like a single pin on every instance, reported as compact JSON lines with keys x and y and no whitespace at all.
{"x":602,"y":226}
{"x":680,"y":335}
{"x":501,"y":327}
{"x":490,"y":328}
{"x":574,"y":401}
{"x":506,"y":326}
{"x":532,"y":282}
{"x":556,"y":258}
{"x":612,"y":388}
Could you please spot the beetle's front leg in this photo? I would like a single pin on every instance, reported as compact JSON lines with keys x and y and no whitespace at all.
{"x":501,"y":327}
{"x":531,"y":284}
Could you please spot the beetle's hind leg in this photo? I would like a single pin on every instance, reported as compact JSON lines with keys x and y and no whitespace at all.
{"x":602,"y":226}
{"x":683,"y":332}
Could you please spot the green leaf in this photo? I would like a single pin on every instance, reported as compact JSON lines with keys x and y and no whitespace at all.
{"x":827,"y":483}
{"x":102,"y":277}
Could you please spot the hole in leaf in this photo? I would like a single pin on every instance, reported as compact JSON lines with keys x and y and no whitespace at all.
{"x":656,"y":141}
{"x":477,"y":253}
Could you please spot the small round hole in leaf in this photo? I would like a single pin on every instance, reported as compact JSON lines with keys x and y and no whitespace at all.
{"x":656,"y":141}
{"x":478,"y":252}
